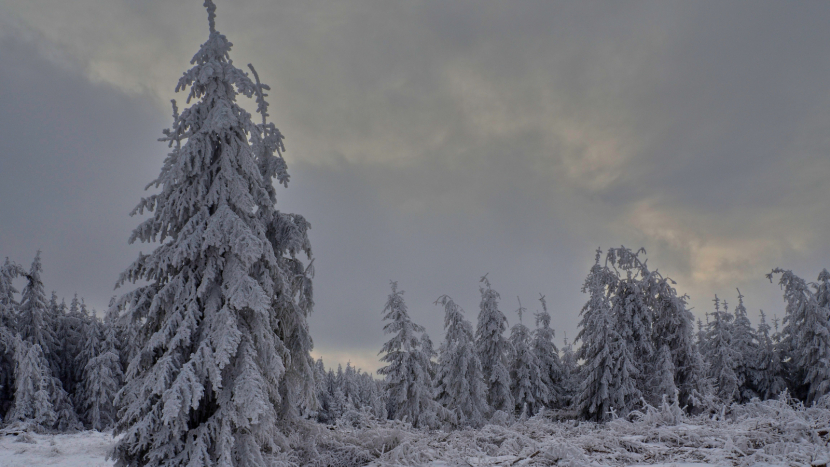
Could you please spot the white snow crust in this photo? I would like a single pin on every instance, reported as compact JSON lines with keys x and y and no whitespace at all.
{"x":773,"y":433}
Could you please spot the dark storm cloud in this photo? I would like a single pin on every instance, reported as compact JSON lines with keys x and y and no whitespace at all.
{"x":433,"y":142}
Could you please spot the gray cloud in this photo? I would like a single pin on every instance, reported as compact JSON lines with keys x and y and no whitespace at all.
{"x":433,"y":142}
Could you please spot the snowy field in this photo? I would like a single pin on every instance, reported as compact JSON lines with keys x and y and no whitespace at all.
{"x":85,"y":449}
{"x":762,"y":434}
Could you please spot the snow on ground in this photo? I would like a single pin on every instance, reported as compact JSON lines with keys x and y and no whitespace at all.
{"x":85,"y":449}
{"x":758,"y":434}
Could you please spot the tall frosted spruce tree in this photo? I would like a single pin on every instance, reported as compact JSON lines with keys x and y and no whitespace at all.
{"x":745,"y":343}
{"x":493,"y":349}
{"x":721,"y":353}
{"x":530,"y":393}
{"x":459,"y":381}
{"x":547,"y":354}
{"x":408,"y":383}
{"x":223,"y":345}
{"x":608,"y":372}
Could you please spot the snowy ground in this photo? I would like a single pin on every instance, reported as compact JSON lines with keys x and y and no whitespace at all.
{"x":761,"y":434}
{"x":86,"y":449}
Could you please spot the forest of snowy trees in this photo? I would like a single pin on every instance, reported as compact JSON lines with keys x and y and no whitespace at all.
{"x":208,"y":361}
{"x":63,"y":366}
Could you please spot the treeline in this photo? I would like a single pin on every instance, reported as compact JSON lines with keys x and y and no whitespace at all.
{"x":637,"y":345}
{"x":60,"y":366}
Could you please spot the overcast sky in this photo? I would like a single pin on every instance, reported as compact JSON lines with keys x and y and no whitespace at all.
{"x":433,"y":142}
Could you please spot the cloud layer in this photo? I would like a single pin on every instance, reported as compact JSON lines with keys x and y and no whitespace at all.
{"x":431,"y":143}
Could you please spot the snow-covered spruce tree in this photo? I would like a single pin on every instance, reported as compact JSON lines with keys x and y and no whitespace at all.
{"x":664,"y":380}
{"x":37,"y":327}
{"x":608,"y":373}
{"x":745,"y":342}
{"x":529,"y":391}
{"x":223,"y":344}
{"x":8,"y":327}
{"x":459,"y":381}
{"x":634,"y":312}
{"x":32,"y":399}
{"x":547,"y":355}
{"x":407,"y":376}
{"x":673,"y":327}
{"x":768,"y":371}
{"x":8,"y":302}
{"x":77,"y":345}
{"x":806,"y":333}
{"x":321,"y":412}
{"x":33,"y":320}
{"x":39,"y":400}
{"x":493,"y":349}
{"x":722,"y":356}
{"x":102,"y":375}
{"x":570,"y":373}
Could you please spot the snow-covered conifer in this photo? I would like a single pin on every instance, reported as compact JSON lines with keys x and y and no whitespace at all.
{"x":547,"y":356}
{"x":723,"y":358}
{"x":745,"y":342}
{"x":221,"y":326}
{"x":8,"y":327}
{"x":8,"y":302}
{"x":493,"y":349}
{"x":101,"y":376}
{"x":634,"y":312}
{"x":806,"y":333}
{"x":673,"y":327}
{"x":39,"y":399}
{"x":768,"y":370}
{"x":459,"y":381}
{"x":33,"y":320}
{"x":608,"y":372}
{"x":407,"y":377}
{"x":32,"y":398}
{"x":529,"y":390}
{"x":664,"y":378}
{"x":570,"y":372}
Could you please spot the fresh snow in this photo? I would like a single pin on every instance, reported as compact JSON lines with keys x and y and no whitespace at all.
{"x":774,"y":433}
{"x":84,"y":449}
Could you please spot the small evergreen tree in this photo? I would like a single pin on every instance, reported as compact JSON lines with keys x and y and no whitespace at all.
{"x":407,"y":377}
{"x":547,"y":355}
{"x":673,"y":328}
{"x":34,"y":323}
{"x":722,"y":356}
{"x":570,"y":373}
{"x":459,"y":381}
{"x":102,"y":375}
{"x":768,"y":375}
{"x":493,"y":349}
{"x":664,"y":379}
{"x":39,"y":399}
{"x":71,"y":325}
{"x":32,"y":395}
{"x":745,"y":343}
{"x":526,"y":385}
